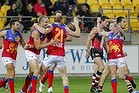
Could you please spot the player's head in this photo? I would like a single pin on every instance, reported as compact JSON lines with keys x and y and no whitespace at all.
{"x":43,"y":21}
{"x":104,"y":21}
{"x":15,"y":25}
{"x":121,"y":21}
{"x":58,"y":16}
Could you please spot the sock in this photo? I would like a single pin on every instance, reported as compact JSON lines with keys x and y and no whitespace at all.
{"x":26,"y":84}
{"x":50,"y":78}
{"x":98,"y":75}
{"x":66,"y":89}
{"x":11,"y":85}
{"x":129,"y":87}
{"x":34,"y":83}
{"x":128,"y":78}
{"x":45,"y":77}
{"x":30,"y":89}
{"x":3,"y":81}
{"x":114,"y":85}
{"x":100,"y":88}
{"x":93,"y":79}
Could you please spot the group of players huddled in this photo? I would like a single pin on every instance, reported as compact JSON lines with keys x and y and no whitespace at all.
{"x":56,"y":34}
{"x":115,"y":54}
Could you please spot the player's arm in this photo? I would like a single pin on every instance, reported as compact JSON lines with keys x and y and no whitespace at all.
{"x":38,"y":43}
{"x":68,"y":38}
{"x":77,"y":31}
{"x":3,"y":33}
{"x":102,"y":33}
{"x":89,"y":39}
{"x":105,"y":45}
{"x":121,"y":31}
{"x":43,"y":30}
{"x":24,"y":45}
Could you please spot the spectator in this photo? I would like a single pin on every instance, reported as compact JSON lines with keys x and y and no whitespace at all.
{"x":12,"y":12}
{"x":28,"y":12}
{"x":61,"y":5}
{"x":4,"y":8}
{"x":85,"y":12}
{"x":19,"y":6}
{"x":31,"y":1}
{"x":39,"y":8}
{"x":1,"y":19}
{"x":49,"y":6}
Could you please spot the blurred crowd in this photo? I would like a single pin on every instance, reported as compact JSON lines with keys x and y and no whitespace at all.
{"x":36,"y":8}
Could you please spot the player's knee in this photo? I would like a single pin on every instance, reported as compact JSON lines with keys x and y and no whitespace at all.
{"x":37,"y":71}
{"x":101,"y":68}
{"x":127,"y":71}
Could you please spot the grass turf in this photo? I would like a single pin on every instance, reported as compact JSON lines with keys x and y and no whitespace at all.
{"x":77,"y":85}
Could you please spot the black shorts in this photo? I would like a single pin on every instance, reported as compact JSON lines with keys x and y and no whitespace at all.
{"x":96,"y":53}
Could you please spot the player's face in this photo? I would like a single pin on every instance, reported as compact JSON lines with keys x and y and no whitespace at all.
{"x":123,"y":23}
{"x":44,"y":23}
{"x":105,"y":22}
{"x":16,"y":26}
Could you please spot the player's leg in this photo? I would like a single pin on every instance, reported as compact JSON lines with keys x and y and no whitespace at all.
{"x":97,"y":75}
{"x":128,"y":73}
{"x":103,"y":78}
{"x":34,"y":64}
{"x":48,"y":75}
{"x":61,"y":66}
{"x":63,"y":73}
{"x":47,"y":63}
{"x":113,"y":70}
{"x":10,"y":68}
{"x":121,"y":71}
{"x":27,"y":81}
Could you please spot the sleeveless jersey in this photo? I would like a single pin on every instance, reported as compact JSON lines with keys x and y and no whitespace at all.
{"x":115,"y":44}
{"x":96,"y":42}
{"x":59,"y":33}
{"x":31,"y":42}
{"x":11,"y":41}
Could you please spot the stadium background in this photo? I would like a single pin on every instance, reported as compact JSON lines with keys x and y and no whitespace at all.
{"x":77,"y":64}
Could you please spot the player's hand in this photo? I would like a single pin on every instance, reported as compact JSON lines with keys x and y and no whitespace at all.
{"x":125,"y":53}
{"x":76,"y":21}
{"x":28,"y":46}
{"x":87,"y":53}
{"x":98,"y":19}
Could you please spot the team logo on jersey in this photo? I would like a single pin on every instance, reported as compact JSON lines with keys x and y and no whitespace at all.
{"x":12,"y":48}
{"x":114,"y":47}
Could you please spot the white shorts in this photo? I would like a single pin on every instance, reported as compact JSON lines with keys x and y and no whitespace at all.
{"x":120,"y":62}
{"x":30,"y":55}
{"x":51,"y":59}
{"x":7,"y":60}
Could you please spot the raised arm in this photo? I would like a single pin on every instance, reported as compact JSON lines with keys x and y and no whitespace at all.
{"x":77,"y":31}
{"x":43,"y":30}
{"x":100,"y":31}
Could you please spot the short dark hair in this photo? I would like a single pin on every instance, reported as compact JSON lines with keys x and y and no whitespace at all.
{"x":12,"y":22}
{"x":119,"y":19}
{"x":104,"y":17}
{"x":87,"y":6}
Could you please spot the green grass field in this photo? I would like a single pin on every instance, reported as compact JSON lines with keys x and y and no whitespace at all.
{"x":77,"y":85}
